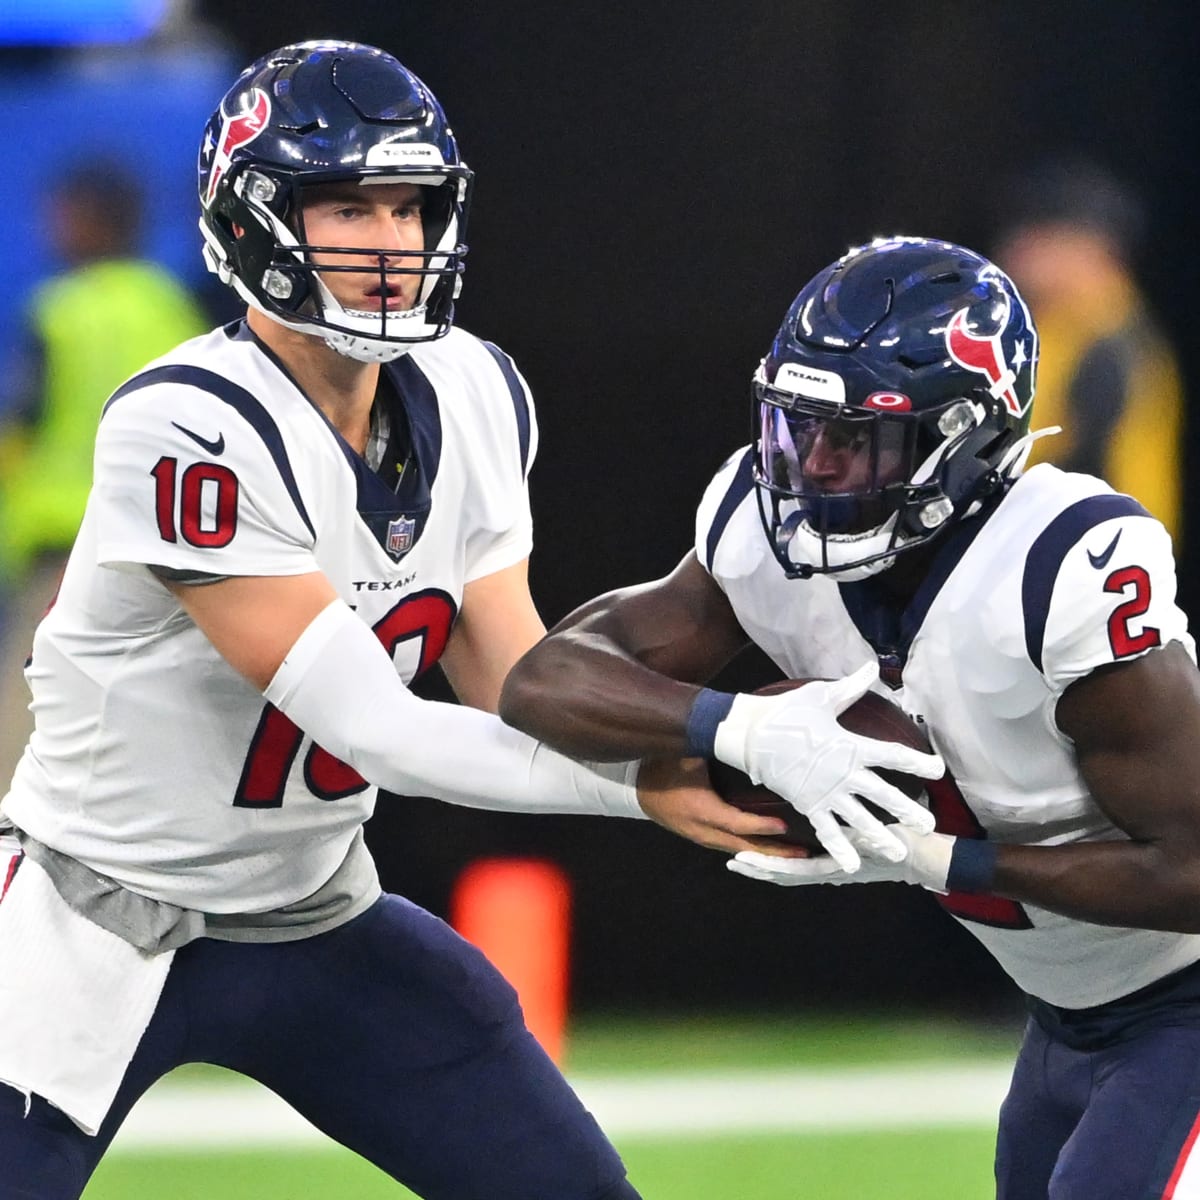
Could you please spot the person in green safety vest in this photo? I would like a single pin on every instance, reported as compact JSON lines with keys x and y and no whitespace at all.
{"x":88,"y":328}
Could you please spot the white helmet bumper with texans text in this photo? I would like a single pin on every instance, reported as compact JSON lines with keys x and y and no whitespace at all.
{"x":916,"y":356}
{"x":330,"y":112}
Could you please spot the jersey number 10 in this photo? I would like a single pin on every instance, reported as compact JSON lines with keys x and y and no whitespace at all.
{"x":200,"y":482}
{"x":427,"y":615}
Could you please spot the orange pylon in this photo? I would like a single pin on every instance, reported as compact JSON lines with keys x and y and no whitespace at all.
{"x":518,"y":912}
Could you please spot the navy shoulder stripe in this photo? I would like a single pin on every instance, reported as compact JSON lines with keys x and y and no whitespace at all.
{"x":738,"y":490}
{"x":1048,"y":551}
{"x":239,"y":399}
{"x":421,"y":410}
{"x":519,"y":399}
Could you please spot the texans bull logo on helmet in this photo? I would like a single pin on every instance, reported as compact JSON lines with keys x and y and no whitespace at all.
{"x":239,"y":129}
{"x":985,"y":354}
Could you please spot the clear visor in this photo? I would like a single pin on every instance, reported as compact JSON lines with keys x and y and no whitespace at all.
{"x":845,"y":467}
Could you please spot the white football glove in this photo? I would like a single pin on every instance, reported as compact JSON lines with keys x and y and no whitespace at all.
{"x":792,"y":743}
{"x":926,"y":865}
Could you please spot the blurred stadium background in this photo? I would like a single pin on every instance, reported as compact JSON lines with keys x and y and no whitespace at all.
{"x":655,"y":181}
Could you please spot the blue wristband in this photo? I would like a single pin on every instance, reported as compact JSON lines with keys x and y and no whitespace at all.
{"x":709,"y":709}
{"x":972,"y":866}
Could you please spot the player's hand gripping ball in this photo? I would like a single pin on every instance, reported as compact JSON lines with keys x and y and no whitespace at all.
{"x":872,"y":716}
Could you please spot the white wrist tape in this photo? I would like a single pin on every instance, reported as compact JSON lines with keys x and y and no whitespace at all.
{"x":338,"y":684}
{"x":928,"y":861}
{"x":729,"y":741}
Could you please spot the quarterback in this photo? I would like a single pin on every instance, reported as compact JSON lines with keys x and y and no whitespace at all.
{"x":291,"y":518}
{"x":881,"y":521}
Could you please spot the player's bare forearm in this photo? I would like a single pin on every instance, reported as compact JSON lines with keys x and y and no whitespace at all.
{"x":617,"y":677}
{"x":580,"y":694}
{"x":1135,"y":884}
{"x":1136,"y":731}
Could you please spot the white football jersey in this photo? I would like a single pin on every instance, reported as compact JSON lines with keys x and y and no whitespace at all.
{"x":153,"y":761}
{"x":1065,"y":576}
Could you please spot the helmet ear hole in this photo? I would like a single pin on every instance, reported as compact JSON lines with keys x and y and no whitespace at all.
{"x":970,"y":473}
{"x":436,"y":212}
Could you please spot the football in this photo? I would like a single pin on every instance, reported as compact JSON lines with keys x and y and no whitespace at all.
{"x":872,"y":716}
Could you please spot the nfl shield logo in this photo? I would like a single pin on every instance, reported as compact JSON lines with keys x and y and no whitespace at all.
{"x":400,"y":535}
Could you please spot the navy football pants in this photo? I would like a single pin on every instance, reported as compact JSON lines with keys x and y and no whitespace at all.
{"x":391,"y":1034}
{"x":1117,"y":1123}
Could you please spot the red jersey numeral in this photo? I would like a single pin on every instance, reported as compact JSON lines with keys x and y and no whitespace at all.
{"x":428,"y":615}
{"x":180,"y":508}
{"x":1121,"y":638}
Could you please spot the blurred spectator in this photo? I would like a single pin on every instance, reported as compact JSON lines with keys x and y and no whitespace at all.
{"x":1069,"y":235}
{"x":87,"y":329}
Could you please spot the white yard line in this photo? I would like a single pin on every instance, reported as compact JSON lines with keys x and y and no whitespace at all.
{"x":175,"y":1115}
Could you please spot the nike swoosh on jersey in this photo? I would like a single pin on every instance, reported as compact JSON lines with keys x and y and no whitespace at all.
{"x":1100,"y":561}
{"x":214,"y":448}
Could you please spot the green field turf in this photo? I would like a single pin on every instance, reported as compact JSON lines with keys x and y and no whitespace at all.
{"x":927,"y":1164}
{"x":947,"y":1165}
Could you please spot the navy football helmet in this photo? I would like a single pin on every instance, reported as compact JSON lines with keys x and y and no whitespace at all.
{"x":327,"y":112}
{"x":895,"y":397}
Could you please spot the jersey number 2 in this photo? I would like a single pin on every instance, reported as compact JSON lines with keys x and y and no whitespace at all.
{"x":1122,"y":641}
{"x":427,"y":615}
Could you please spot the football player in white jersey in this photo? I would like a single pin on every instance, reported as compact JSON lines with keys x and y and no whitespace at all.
{"x":291,"y":518}
{"x":881,"y":519}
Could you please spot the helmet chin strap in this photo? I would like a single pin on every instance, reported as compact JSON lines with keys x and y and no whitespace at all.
{"x":840,"y":554}
{"x":358,"y":336}
{"x":361,"y":349}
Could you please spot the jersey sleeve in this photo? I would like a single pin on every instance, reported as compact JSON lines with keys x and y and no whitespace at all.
{"x":503,"y":533}
{"x":183,"y":481}
{"x":1111,"y":598}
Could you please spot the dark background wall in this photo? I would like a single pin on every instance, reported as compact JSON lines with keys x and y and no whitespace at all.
{"x":655,"y":182}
